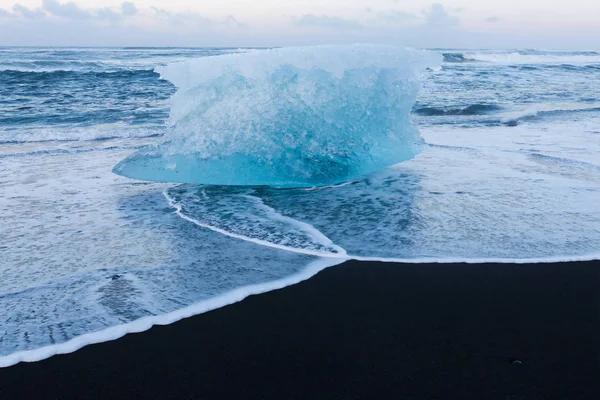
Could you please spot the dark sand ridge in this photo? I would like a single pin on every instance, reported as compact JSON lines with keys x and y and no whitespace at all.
{"x":355,"y":331}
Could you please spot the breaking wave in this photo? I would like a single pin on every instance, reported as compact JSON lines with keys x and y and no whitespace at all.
{"x":525,"y":57}
{"x":456,"y":58}
{"x":61,"y":74}
{"x":536,"y":110}
{"x":97,"y":132}
{"x":473,"y":109}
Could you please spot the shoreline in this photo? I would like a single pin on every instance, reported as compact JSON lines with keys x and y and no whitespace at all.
{"x":359,"y":330}
{"x":239,"y":294}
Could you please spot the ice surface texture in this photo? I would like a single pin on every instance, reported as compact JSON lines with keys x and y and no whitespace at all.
{"x":291,"y":117}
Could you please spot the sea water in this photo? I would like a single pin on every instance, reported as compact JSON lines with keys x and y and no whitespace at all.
{"x":507,"y":169}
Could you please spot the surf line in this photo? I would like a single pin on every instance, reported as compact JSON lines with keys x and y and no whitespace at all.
{"x":341,"y":255}
{"x":344,"y":256}
{"x":145,"y":323}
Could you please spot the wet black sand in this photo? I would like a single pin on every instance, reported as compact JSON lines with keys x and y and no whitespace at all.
{"x":356,"y":331}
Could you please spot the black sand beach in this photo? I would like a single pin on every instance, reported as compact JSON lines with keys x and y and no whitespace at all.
{"x":356,"y":331}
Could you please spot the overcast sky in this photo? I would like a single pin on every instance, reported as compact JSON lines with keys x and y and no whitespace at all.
{"x":551,"y":24}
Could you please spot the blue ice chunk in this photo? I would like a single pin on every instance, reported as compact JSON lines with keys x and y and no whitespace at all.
{"x":290,"y":117}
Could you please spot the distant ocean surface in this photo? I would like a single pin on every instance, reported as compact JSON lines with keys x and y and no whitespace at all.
{"x":510,"y":172}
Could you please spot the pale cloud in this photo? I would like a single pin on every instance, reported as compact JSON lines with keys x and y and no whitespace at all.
{"x":182,"y":19}
{"x":108,"y":15}
{"x":28,"y":13}
{"x":438,"y":17}
{"x":395,"y":17}
{"x":5,"y":14}
{"x":325,"y":21}
{"x":68,"y":10}
{"x":128,"y":9}
{"x":230,"y":21}
{"x":107,"y":26}
{"x":433,"y":27}
{"x":446,"y":23}
{"x":72,"y":11}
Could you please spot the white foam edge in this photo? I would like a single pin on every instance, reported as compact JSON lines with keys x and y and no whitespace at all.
{"x":348,"y":257}
{"x":145,"y":323}
{"x":313,"y":232}
{"x":179,"y":212}
{"x":536,"y":109}
{"x":490,"y":260}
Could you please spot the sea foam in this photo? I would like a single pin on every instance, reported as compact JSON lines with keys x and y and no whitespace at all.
{"x":291,"y":117}
{"x":520,"y":58}
{"x":145,"y":323}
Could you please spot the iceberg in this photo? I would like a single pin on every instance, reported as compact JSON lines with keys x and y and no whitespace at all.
{"x":288,"y":117}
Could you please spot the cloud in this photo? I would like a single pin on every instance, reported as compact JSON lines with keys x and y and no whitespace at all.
{"x":5,"y":14}
{"x":324,"y":21}
{"x":394,"y":17}
{"x":107,"y":14}
{"x":71,"y":11}
{"x":68,"y":10}
{"x":231,"y":22}
{"x":492,"y":19}
{"x":185,"y":19}
{"x":28,"y":13}
{"x":438,"y":17}
{"x":123,"y":23}
{"x":128,"y":9}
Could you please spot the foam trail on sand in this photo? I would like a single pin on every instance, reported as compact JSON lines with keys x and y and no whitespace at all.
{"x":145,"y":323}
{"x":336,"y":251}
{"x":316,"y":234}
{"x":311,"y":230}
{"x":461,"y":260}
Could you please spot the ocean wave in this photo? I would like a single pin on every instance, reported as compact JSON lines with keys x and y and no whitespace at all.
{"x":473,"y":109}
{"x":582,"y":166}
{"x":538,"y":110}
{"x":507,"y":118}
{"x":456,"y":58}
{"x":52,"y":65}
{"x":147,"y":48}
{"x":99,"y":132}
{"x":67,"y":151}
{"x":517,"y":58}
{"x":61,"y":74}
{"x":525,"y":57}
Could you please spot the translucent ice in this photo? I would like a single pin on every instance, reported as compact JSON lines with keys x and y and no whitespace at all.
{"x":288,"y":117}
